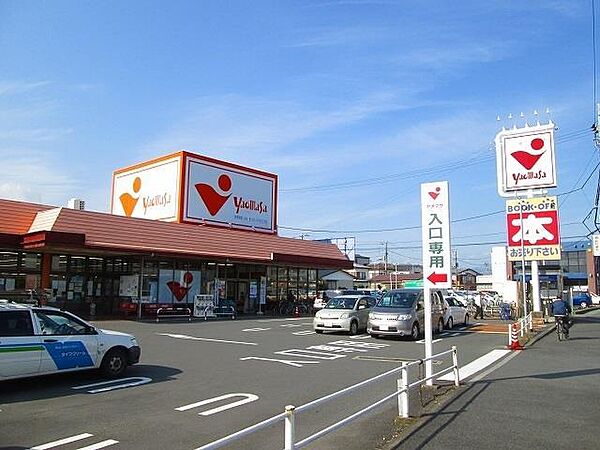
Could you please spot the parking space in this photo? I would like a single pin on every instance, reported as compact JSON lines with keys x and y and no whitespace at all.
{"x":199,"y":381}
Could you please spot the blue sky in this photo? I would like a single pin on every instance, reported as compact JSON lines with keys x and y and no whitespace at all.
{"x":387,"y":93}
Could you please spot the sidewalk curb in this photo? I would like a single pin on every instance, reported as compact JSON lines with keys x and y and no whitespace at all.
{"x":545,"y":332}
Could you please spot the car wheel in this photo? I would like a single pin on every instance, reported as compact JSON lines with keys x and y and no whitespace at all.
{"x":114,"y":363}
{"x":582,"y":305}
{"x":466,"y":322}
{"x":353,"y":328}
{"x":414,"y":335}
{"x":450,"y":323}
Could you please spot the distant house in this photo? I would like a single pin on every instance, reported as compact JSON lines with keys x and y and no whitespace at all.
{"x":392,"y":280}
{"x":360,"y":271}
{"x":467,"y":279}
{"x":335,"y":279}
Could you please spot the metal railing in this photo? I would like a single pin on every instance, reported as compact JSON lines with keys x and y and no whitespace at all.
{"x":174,"y":312}
{"x":401,"y":393}
{"x":519,"y":328}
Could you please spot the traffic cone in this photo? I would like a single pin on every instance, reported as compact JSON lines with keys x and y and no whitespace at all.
{"x":514,"y":340}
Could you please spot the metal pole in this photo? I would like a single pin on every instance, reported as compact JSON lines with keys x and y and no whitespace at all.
{"x":403,"y":395}
{"x":290,"y":429}
{"x":535,"y":285}
{"x":140,"y":287}
{"x":428,"y":334}
{"x":523,"y":259}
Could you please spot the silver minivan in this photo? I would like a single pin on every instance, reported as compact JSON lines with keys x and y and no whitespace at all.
{"x":344,"y":313}
{"x":400,"y":312}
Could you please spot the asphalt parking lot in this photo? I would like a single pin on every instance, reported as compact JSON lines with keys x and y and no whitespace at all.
{"x":190,"y":372}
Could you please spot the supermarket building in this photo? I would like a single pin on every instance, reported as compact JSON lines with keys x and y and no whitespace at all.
{"x":180,"y":225}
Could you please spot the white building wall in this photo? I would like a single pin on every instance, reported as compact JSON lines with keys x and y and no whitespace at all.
{"x":499,"y":268}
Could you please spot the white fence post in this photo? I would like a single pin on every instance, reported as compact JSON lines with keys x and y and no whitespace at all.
{"x":455,"y":364}
{"x":509,"y":335}
{"x":403,"y":393}
{"x":290,"y":429}
{"x":522,"y":326}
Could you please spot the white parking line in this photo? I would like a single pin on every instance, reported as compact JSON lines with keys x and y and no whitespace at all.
{"x":100,"y":445}
{"x":115,"y":384}
{"x":194,"y":338}
{"x":303,"y":333}
{"x":62,"y":441}
{"x":477,"y":365}
{"x":422,"y":341}
{"x":361,"y":336}
{"x":290,"y":325}
{"x":256,"y":329}
{"x":247,"y":398}
{"x":282,"y":320}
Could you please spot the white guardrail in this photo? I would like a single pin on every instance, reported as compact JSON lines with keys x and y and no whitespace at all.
{"x":519,"y":328}
{"x":289,"y":415}
{"x":174,"y":312}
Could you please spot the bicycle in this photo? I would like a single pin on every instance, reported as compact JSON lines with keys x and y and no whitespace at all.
{"x":562,"y":328}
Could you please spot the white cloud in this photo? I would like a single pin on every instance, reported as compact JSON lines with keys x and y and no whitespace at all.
{"x":20,"y":87}
{"x":246,"y":129}
{"x":346,"y":36}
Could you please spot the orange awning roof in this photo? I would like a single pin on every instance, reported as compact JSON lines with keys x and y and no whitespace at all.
{"x":41,"y":226}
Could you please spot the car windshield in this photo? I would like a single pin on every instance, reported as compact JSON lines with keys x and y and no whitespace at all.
{"x":403,"y":299}
{"x":341,"y":303}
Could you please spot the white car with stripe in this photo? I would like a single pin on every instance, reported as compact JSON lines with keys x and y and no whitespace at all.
{"x":41,"y":340}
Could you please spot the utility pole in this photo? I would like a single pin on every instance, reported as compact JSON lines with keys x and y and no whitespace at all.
{"x":385,"y":258}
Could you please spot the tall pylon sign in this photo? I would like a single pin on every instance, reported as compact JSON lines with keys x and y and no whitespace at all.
{"x":525,"y":159}
{"x":526,"y":169}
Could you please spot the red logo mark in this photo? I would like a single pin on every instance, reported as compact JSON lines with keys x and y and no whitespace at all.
{"x":526,"y":159}
{"x":435,"y":194}
{"x":178,"y":290}
{"x":211,"y":198}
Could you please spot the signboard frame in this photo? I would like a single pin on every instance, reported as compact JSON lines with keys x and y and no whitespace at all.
{"x":542,"y":208}
{"x":537,"y":171}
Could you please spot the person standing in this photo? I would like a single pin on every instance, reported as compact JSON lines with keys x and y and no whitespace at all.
{"x":478,"y":306}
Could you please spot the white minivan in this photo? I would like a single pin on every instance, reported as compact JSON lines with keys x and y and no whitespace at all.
{"x":42,"y":340}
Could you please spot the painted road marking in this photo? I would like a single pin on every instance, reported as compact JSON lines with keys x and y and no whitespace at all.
{"x":361,"y":336}
{"x":256,"y":329}
{"x":121,"y":383}
{"x":333,"y":348}
{"x":455,"y":334}
{"x":422,"y":341}
{"x":62,"y":441}
{"x":479,"y":364}
{"x":293,"y":363}
{"x":99,"y":445}
{"x":247,"y":398}
{"x":290,"y":325}
{"x":367,"y":345}
{"x":310,"y":354}
{"x":282,"y":320}
{"x":193,"y":338}
{"x":482,"y":332}
{"x":303,"y":333}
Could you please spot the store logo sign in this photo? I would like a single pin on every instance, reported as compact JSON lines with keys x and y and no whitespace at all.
{"x":128,"y":201}
{"x":211,"y":198}
{"x":178,"y":290}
